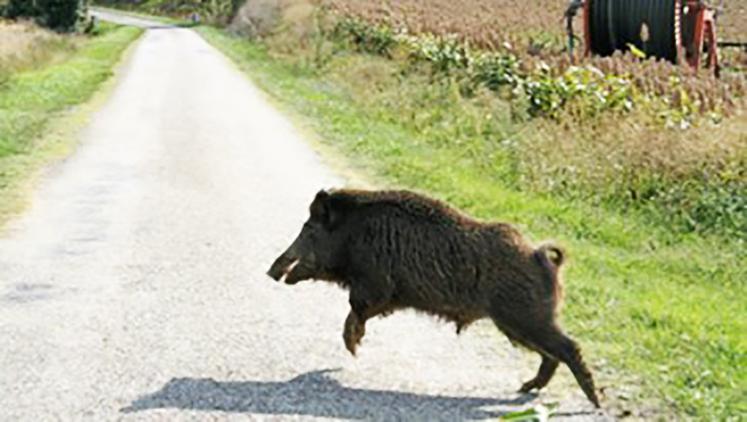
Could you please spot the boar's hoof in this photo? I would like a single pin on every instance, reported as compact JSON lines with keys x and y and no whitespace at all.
{"x":291,"y":280}
{"x":351,"y":346}
{"x":528,"y":386}
{"x":274,"y":274}
{"x":353,"y":333}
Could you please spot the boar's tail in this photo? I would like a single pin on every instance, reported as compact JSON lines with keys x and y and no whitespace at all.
{"x":552,"y":253}
{"x":551,"y":257}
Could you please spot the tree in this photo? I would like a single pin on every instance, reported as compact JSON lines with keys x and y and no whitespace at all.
{"x":60,"y":15}
{"x":22,"y":8}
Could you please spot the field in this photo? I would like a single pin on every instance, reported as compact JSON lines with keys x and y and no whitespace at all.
{"x":44,"y":76}
{"x":646,"y":188}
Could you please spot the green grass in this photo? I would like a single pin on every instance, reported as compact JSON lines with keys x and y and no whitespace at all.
{"x":658,"y":314}
{"x":33,"y":104}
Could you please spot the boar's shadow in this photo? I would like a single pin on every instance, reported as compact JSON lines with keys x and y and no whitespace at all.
{"x":316,"y":394}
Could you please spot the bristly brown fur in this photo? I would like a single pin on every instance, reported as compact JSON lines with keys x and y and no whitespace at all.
{"x":399,"y":249}
{"x":552,"y":258}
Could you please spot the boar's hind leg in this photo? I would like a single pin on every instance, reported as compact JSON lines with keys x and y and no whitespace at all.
{"x":557,"y":345}
{"x":363,"y":307}
{"x":546,"y":371}
{"x":548,"y":340}
{"x":355,"y":326}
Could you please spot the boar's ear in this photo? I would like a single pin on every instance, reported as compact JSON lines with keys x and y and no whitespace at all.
{"x":321,"y":195}
{"x":323,"y":209}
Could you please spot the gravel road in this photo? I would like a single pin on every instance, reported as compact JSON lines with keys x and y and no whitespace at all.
{"x":134,"y":286}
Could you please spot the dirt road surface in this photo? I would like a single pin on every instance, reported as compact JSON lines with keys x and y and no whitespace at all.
{"x":134,"y":288}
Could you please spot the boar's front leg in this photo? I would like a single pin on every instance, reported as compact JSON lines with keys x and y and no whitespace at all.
{"x":353,"y":332}
{"x":363,"y":306}
{"x":355,"y":326}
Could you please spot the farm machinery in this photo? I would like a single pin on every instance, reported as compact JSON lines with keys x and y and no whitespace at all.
{"x":680,"y":31}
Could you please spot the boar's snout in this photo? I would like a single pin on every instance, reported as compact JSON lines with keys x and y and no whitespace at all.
{"x":300,"y":261}
{"x":282,"y":266}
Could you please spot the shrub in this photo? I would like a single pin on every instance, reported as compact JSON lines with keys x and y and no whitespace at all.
{"x":257,"y":18}
{"x":60,"y":15}
{"x":365,"y":37}
{"x":496,"y":71}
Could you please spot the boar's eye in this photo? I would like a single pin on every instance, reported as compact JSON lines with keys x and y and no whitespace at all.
{"x":311,"y":226}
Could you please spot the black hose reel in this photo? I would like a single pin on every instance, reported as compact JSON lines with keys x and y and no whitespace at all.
{"x":674,"y":30}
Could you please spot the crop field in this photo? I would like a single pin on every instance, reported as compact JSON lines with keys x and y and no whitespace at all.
{"x":487,"y":23}
{"x":491,"y":23}
{"x":534,"y":30}
{"x":732,"y":23}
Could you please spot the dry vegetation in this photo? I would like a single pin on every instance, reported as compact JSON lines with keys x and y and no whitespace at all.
{"x":732,"y":22}
{"x":26,"y":46}
{"x":486,"y":23}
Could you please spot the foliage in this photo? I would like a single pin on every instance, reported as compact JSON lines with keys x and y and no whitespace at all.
{"x":60,"y":15}
{"x":496,"y":71}
{"x":366,"y":38}
{"x":540,"y":413}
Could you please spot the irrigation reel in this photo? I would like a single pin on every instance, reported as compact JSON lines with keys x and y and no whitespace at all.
{"x":679,"y":31}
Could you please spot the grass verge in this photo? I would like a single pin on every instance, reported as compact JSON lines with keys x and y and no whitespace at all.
{"x":663,"y":314}
{"x":38,"y":110}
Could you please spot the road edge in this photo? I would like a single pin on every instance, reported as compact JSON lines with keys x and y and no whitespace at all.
{"x":59,"y":142}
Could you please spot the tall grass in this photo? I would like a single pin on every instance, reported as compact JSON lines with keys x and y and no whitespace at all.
{"x":26,"y":46}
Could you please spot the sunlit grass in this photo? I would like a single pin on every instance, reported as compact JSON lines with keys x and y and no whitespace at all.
{"x":660,"y":314}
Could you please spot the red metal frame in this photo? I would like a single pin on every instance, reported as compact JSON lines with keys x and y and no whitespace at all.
{"x":704,"y":34}
{"x":587,"y":32}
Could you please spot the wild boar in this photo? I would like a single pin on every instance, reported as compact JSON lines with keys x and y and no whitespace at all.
{"x":398,"y":249}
